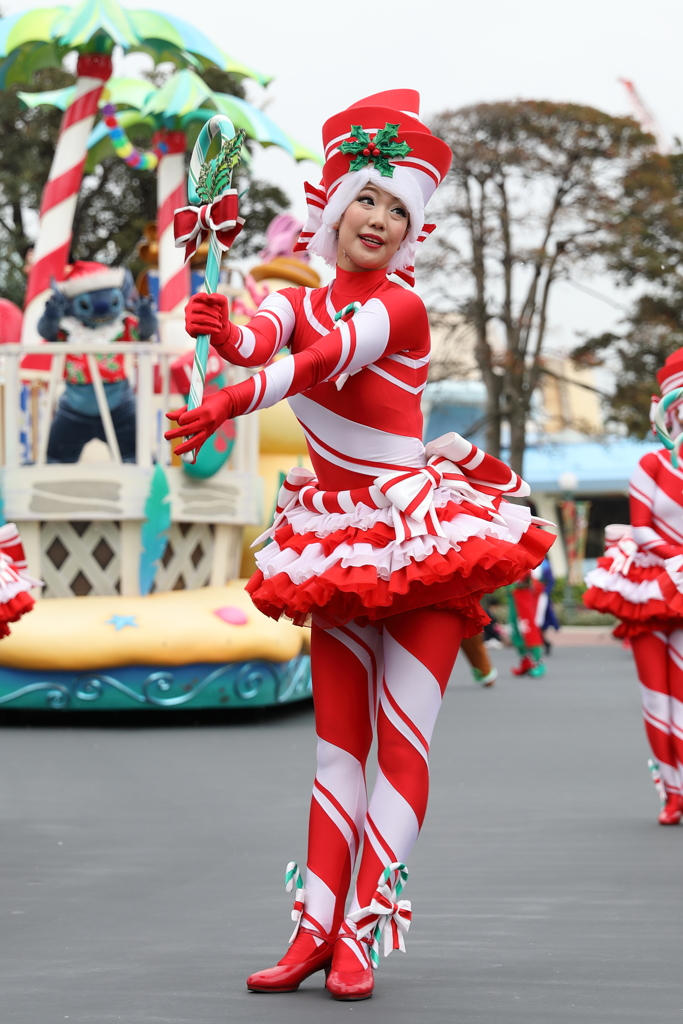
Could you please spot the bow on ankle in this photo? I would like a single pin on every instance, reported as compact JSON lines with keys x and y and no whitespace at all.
{"x":386,"y":916}
{"x":294,"y":880}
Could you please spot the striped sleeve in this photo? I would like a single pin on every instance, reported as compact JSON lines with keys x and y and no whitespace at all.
{"x":267,"y":332}
{"x":649,"y":533}
{"x":351,"y":346}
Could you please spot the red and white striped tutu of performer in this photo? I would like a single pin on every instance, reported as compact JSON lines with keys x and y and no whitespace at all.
{"x":15,"y":582}
{"x":441,"y":535}
{"x":639,"y":579}
{"x":626,"y":583}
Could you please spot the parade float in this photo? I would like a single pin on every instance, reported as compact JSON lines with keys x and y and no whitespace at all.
{"x":141,"y":604}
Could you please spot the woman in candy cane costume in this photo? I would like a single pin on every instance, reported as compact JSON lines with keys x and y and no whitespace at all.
{"x":639,"y":580}
{"x":15,"y":582}
{"x":387,"y":548}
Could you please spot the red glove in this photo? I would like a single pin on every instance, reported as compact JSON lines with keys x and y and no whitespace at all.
{"x":198,"y":424}
{"x":209,"y":314}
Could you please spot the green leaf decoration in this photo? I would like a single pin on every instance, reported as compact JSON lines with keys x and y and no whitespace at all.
{"x":382,"y":148}
{"x":215,"y":177}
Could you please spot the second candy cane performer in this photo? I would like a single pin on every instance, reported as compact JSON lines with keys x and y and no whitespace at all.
{"x":387,"y":548}
{"x":639,"y":580}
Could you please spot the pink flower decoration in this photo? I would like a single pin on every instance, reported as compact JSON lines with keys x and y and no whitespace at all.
{"x":232,"y":615}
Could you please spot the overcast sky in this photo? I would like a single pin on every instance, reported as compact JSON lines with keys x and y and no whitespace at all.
{"x":325,"y":55}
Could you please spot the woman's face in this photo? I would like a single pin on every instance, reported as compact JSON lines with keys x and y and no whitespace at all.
{"x":371,"y":230}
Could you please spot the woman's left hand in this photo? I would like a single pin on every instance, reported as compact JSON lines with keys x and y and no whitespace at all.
{"x":198,"y":424}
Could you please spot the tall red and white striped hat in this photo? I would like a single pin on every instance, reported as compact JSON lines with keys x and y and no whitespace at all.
{"x":671,"y":374}
{"x":380,"y":139}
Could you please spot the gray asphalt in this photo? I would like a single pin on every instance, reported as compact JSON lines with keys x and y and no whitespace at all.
{"x":141,"y":868}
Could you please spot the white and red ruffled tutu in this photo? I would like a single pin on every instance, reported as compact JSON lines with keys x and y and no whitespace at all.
{"x":15,"y":582}
{"x":439,"y":536}
{"x":636,"y":586}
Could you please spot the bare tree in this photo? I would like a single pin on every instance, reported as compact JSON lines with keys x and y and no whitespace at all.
{"x":532,"y":194}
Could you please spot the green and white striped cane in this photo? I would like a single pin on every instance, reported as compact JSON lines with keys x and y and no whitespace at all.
{"x":207,"y":182}
{"x":659,"y":423}
{"x":294,"y":881}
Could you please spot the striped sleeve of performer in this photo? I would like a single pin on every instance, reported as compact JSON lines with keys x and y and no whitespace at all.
{"x":642,"y":490}
{"x":349,"y":347}
{"x":267,"y":332}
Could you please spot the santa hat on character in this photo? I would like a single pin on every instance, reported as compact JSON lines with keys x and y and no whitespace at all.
{"x":379,"y":139}
{"x":85,"y":276}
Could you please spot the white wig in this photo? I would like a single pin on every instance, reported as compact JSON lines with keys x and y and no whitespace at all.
{"x":402,"y":185}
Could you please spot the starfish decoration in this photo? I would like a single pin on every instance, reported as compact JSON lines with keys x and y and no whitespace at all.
{"x":121,"y":621}
{"x":378,"y":150}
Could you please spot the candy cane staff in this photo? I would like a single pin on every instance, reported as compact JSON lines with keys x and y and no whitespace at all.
{"x":639,"y":580}
{"x":387,"y":547}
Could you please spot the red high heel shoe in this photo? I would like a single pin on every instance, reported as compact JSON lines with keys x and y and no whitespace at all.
{"x":309,"y":951}
{"x":303,"y":958}
{"x":351,"y":976}
{"x":672,"y":811}
{"x":355,"y":950}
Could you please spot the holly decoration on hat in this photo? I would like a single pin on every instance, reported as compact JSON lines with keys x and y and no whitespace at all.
{"x":383,"y":147}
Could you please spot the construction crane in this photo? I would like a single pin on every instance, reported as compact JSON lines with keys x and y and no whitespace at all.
{"x":647,"y":120}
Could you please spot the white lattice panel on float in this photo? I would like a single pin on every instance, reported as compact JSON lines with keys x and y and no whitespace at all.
{"x":84,"y":491}
{"x":188,"y":559}
{"x":89,"y":491}
{"x":231,"y":498}
{"x":79,"y":558}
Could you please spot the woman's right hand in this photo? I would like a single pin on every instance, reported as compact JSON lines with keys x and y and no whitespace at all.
{"x":207,"y":314}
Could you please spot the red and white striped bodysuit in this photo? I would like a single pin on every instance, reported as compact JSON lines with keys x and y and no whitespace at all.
{"x":639,"y":580}
{"x":383,"y":526}
{"x":387,"y":549}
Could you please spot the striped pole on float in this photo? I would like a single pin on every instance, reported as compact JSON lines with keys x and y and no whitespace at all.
{"x":58,"y":205}
{"x":174,"y":275}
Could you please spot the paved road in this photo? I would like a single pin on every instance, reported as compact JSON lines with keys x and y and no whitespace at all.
{"x":140,"y":868}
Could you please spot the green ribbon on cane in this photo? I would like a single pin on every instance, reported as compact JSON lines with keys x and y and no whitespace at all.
{"x":208,"y":182}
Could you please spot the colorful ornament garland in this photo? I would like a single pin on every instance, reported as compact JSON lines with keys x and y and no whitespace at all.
{"x":124,"y":147}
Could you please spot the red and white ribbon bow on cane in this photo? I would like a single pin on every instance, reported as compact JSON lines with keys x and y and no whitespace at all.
{"x":192,"y":224}
{"x":294,"y":881}
{"x":386,"y":916}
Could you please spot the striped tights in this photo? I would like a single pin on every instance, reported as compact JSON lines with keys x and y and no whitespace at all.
{"x":391,"y":678}
{"x":659,"y":663}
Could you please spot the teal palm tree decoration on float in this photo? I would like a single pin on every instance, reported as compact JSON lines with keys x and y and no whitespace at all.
{"x":169,"y":112}
{"x":42,"y":37}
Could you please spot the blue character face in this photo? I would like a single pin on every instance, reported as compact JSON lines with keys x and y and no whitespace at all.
{"x":98,"y":307}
